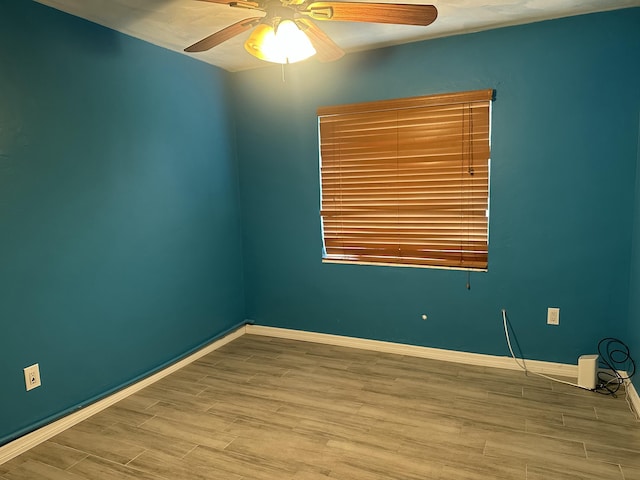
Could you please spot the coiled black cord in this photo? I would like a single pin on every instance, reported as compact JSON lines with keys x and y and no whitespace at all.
{"x":616,"y":358}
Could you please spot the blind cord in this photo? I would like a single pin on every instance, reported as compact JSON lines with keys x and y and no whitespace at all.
{"x":462,"y":190}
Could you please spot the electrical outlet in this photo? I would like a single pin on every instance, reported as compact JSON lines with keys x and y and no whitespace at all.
{"x":553,"y":316}
{"x":32,"y":377}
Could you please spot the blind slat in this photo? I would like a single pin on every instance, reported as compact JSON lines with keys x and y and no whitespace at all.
{"x":446,"y":99}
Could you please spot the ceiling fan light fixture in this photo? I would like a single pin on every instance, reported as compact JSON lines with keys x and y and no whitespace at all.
{"x":285,"y":43}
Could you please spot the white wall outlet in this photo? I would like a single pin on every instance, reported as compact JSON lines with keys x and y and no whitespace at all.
{"x":553,"y":316}
{"x":32,"y":377}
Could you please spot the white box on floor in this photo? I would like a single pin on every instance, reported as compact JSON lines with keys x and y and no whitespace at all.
{"x":588,"y":371}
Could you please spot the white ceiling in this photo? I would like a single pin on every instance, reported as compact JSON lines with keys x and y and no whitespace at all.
{"x":176,"y":24}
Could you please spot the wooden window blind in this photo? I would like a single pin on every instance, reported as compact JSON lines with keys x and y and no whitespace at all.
{"x":406,"y":182}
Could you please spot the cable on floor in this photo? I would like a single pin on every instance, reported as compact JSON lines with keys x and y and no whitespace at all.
{"x":615,"y":359}
{"x":614,"y":355}
{"x":523,"y":365}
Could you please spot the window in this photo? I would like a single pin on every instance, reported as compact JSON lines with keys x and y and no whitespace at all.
{"x":406,"y":182}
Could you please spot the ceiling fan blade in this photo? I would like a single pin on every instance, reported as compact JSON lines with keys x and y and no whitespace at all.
{"x":326,"y":49}
{"x":235,"y":3}
{"x":397,"y":13}
{"x":224,"y":35}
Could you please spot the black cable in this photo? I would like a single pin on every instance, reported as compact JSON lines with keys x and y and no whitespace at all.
{"x":616,"y":358}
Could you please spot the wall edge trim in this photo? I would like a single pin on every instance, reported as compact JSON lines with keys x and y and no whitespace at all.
{"x":455,"y":356}
{"x":42,"y":434}
{"x":634,"y":398}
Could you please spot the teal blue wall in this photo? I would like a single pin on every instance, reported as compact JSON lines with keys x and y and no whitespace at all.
{"x":120,"y":243}
{"x":565,"y":137}
{"x":633,"y":328}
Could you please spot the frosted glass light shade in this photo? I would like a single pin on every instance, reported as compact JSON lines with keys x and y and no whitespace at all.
{"x":287,"y":44}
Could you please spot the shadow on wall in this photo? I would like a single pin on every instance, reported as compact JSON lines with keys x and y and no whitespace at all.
{"x":149,"y":15}
{"x":81,"y":33}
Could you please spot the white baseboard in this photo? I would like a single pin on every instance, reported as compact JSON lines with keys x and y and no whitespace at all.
{"x":634,"y":398}
{"x":548,"y":368}
{"x":30,"y":440}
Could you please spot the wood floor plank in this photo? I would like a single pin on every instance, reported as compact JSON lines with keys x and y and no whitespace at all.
{"x":98,"y":444}
{"x":630,"y":473}
{"x":121,"y":414}
{"x":227,"y":406}
{"x":618,"y":416}
{"x":589,"y":430}
{"x":31,"y":470}
{"x":527,"y":447}
{"x":150,"y":440}
{"x":573,"y":400}
{"x":96,"y":468}
{"x":571,"y":467}
{"x":376,"y":462}
{"x":283,"y":450}
{"x":479,"y":467}
{"x":55,"y":455}
{"x":627,"y":457}
{"x":547,"y":405}
{"x":171,"y":468}
{"x":263,"y":408}
{"x":197,"y":434}
{"x":238,"y":464}
{"x":192,"y":418}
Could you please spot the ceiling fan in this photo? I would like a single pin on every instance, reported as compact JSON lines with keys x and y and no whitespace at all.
{"x":269,"y":42}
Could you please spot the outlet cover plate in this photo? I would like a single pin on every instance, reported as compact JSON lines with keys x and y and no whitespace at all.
{"x":32,"y":377}
{"x":553,"y":316}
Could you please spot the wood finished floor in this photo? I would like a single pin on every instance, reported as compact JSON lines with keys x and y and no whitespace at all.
{"x":265,"y":408}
